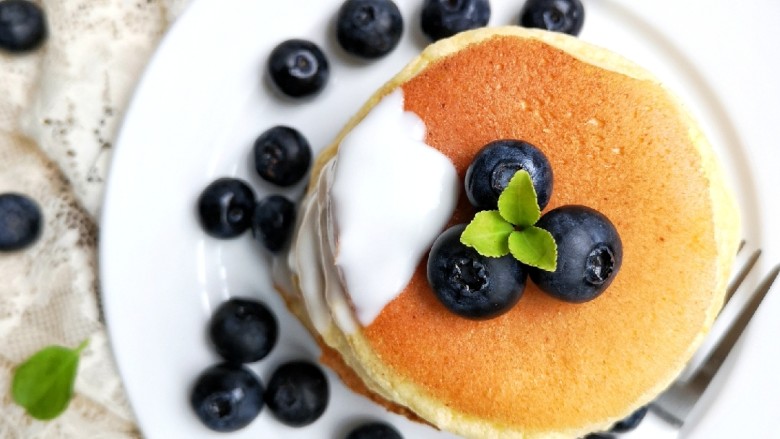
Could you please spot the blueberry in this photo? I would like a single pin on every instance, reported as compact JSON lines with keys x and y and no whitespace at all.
{"x":272,"y":222}
{"x":566,"y":16}
{"x":374,"y":430}
{"x":589,"y":253}
{"x":22,"y":26}
{"x":297,"y":393}
{"x":369,"y":28}
{"x":495,"y":164}
{"x":20,"y":221}
{"x":227,"y":397}
{"x":298,"y":68}
{"x":469,"y":284}
{"x":243,"y":331}
{"x":282,"y":155}
{"x":445,"y":18}
{"x":631,"y":422}
{"x":225,"y":208}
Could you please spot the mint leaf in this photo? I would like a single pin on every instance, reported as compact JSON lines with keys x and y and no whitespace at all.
{"x":43,"y":384}
{"x":488,"y":233}
{"x":517,"y":202}
{"x":534,"y":246}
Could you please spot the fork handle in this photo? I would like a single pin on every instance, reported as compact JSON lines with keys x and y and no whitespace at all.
{"x":653,"y":427}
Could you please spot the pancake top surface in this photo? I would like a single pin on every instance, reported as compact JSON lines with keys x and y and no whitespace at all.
{"x":617,"y":144}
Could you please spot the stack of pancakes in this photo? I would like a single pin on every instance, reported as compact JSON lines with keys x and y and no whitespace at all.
{"x":618,"y":142}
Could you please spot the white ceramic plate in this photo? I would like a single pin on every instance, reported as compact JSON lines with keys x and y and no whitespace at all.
{"x":202,"y":102}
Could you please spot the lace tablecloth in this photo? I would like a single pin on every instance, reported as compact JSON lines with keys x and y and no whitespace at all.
{"x":60,"y":108}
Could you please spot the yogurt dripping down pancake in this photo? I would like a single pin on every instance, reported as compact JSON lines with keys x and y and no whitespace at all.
{"x":618,"y":142}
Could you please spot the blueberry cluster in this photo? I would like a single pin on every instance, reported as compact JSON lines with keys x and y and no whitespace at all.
{"x":589,"y":250}
{"x":445,"y":18}
{"x":228,"y":396}
{"x":371,"y":29}
{"x":367,"y":29}
{"x":227,"y":207}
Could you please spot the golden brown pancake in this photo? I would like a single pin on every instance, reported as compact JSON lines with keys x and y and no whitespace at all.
{"x":618,"y":142}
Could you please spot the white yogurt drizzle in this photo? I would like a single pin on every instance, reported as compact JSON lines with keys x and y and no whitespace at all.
{"x":392,"y":195}
{"x":377,"y":208}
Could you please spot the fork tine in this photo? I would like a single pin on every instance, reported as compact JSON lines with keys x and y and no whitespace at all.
{"x":713,"y":362}
{"x":741,"y":245}
{"x":740,"y":276}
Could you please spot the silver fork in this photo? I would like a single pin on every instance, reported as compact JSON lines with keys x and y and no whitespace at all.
{"x":671,"y":409}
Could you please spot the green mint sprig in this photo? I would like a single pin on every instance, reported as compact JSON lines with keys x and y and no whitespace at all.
{"x":511,"y":229}
{"x":43,"y":384}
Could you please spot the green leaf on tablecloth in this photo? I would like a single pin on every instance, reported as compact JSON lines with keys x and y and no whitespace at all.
{"x":43,"y":384}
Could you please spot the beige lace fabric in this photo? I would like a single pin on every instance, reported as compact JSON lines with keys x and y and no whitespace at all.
{"x":59,"y":111}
